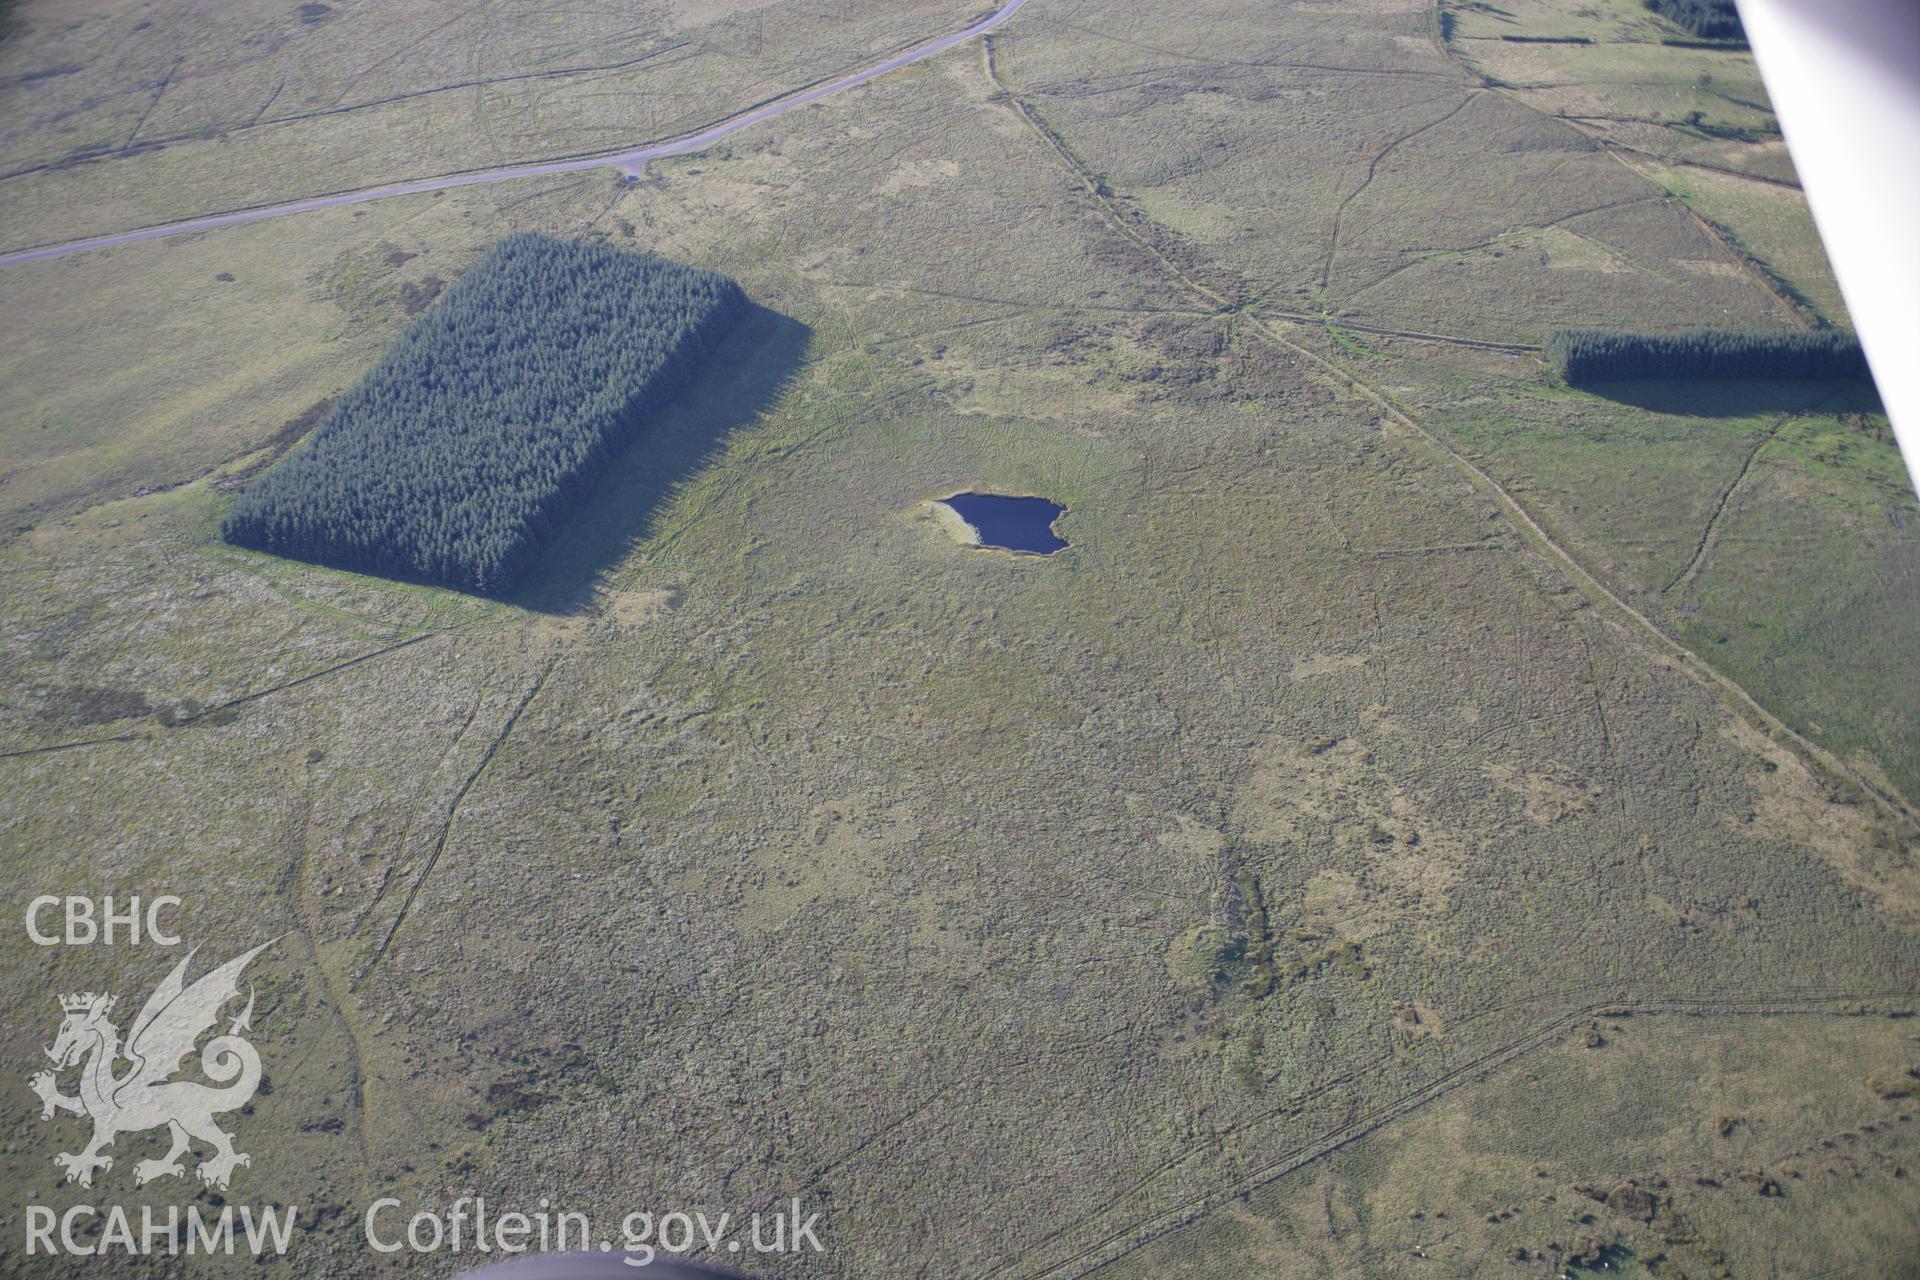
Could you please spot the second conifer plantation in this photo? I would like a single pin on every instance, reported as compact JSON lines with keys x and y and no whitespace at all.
{"x":1710,"y":19}
{"x":1600,"y":355}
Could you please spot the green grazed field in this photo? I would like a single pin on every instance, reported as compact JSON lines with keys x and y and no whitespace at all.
{"x":1355,"y":855}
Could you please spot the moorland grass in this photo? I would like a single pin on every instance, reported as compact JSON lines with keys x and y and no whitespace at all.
{"x":810,"y":850}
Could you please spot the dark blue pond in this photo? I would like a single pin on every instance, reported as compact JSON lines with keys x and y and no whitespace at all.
{"x":1016,"y":524}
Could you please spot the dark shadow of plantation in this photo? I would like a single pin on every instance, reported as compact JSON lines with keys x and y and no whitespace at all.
{"x":1740,"y":397}
{"x":743,"y":377}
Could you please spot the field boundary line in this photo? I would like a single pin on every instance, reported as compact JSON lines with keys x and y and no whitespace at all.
{"x":453,"y":813}
{"x":300,"y":833}
{"x":1694,"y":561}
{"x":629,"y":159}
{"x":1888,"y":798}
{"x":1126,"y":1240}
{"x":19,"y":752}
{"x":1795,"y":312}
{"x":1416,"y":335}
{"x":1373,"y":169}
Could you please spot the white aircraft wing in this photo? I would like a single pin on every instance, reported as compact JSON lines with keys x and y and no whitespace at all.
{"x":1844,"y":76}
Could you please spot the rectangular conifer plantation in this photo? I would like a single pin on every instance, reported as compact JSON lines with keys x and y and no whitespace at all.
{"x":457,"y":456}
{"x":1603,"y":355}
{"x":1711,"y":19}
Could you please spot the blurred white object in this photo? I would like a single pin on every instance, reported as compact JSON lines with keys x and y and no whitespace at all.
{"x":1844,"y":76}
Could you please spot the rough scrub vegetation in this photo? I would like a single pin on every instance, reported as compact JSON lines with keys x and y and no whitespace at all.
{"x":457,"y":455}
{"x":1709,"y":19}
{"x":1604,"y":355}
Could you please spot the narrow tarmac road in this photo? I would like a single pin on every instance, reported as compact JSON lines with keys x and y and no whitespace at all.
{"x":631,"y":161}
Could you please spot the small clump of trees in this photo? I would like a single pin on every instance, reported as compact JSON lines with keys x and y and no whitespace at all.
{"x":1606,"y":355}
{"x":1709,"y":19}
{"x":455,"y":458}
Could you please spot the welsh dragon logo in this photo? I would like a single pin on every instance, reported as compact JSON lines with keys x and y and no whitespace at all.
{"x":146,"y":1096}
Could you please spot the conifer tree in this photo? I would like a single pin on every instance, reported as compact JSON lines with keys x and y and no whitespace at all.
{"x":1601,"y":355}
{"x":1708,"y":19}
{"x":456,"y":457}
